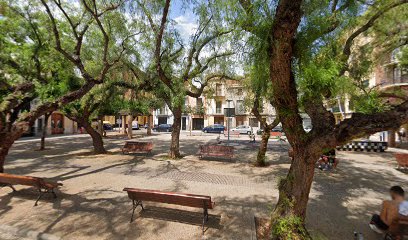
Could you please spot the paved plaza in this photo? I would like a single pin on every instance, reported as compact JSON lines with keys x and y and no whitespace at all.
{"x":92,"y":205}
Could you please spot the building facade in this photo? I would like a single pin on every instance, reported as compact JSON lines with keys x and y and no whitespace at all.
{"x":58,"y":123}
{"x":204,"y":111}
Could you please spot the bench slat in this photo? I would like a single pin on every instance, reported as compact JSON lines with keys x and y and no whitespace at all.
{"x":27,"y":181}
{"x":402,"y":159}
{"x":133,"y":146}
{"x":216,"y":151}
{"x":183,"y":199}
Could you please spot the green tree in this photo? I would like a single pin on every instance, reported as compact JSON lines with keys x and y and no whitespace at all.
{"x":56,"y":68}
{"x":98,"y":102}
{"x":185,"y":67}
{"x":309,"y":47}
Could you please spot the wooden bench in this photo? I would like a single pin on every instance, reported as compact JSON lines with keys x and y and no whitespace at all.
{"x":276,"y":134}
{"x":190,"y":200}
{"x":398,"y":228}
{"x":43,"y":186}
{"x":216,"y":151}
{"x":402,"y":160}
{"x":137,"y":147}
{"x":232,"y":134}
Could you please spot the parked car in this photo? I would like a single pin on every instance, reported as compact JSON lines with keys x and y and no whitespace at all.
{"x":107,"y":126}
{"x":275,"y":129}
{"x":163,"y":128}
{"x":135,"y":125}
{"x":216,"y":128}
{"x":308,"y":128}
{"x":242,"y":129}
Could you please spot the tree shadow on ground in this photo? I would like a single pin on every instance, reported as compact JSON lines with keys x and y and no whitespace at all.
{"x":177,"y":215}
{"x":349,"y":196}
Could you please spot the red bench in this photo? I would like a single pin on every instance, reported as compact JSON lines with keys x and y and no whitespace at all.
{"x":137,"y":147}
{"x":232,"y":134}
{"x":216,"y":151}
{"x":398,"y":228}
{"x":43,"y":186}
{"x":276,"y":134}
{"x":190,"y":200}
{"x":402,"y":159}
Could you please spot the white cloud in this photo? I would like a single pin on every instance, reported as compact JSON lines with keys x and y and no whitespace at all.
{"x":186,"y":26}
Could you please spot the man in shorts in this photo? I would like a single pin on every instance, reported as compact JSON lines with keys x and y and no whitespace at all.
{"x":390,"y":210}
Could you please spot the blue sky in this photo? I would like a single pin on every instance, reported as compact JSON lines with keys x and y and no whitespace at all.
{"x":184,"y":17}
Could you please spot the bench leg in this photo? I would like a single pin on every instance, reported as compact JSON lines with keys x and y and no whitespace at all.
{"x":135,"y":204}
{"x":41,"y":193}
{"x":205,"y":218}
{"x":53,"y":193}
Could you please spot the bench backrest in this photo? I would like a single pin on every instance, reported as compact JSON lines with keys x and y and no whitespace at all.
{"x":19,"y":180}
{"x":400,"y":226}
{"x":216,"y":148}
{"x":183,"y":199}
{"x":403,"y":157}
{"x":276,"y":134}
{"x":26,"y":180}
{"x":139,"y":145}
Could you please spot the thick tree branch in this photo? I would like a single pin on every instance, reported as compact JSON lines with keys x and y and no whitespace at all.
{"x":263,"y":121}
{"x":360,"y":125}
{"x":159,"y":39}
{"x":350,"y":40}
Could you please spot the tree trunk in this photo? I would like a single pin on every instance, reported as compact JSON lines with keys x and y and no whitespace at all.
{"x":175,"y":134}
{"x":149,"y":125}
{"x":4,"y":149}
{"x":7,"y":140}
{"x":123,"y":124}
{"x":130,"y":131}
{"x":44,"y":130}
{"x":391,"y":138}
{"x":260,"y":158}
{"x":100,"y":125}
{"x":289,"y":215}
{"x":97,"y":140}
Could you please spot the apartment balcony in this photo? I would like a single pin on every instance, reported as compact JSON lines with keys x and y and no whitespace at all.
{"x":194,"y":110}
{"x":240,"y":111}
{"x":219,"y":92}
{"x":218,"y":111}
{"x":162,"y":112}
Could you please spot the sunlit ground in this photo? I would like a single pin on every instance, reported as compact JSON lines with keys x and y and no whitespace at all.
{"x":92,"y":205}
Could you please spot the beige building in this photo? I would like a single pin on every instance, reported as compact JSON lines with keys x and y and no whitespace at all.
{"x":57,"y":124}
{"x":232,"y":94}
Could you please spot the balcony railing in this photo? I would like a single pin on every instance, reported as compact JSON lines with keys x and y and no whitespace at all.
{"x":161,"y":112}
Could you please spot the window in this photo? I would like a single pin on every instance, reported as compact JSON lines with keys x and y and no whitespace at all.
{"x":199,"y":102}
{"x":397,"y":75}
{"x":239,"y":92}
{"x":218,"y":107}
{"x":218,"y":89}
{"x":161,"y":111}
{"x":240,"y":107}
{"x":40,"y":124}
{"x":253,"y":122}
{"x":365,"y":83}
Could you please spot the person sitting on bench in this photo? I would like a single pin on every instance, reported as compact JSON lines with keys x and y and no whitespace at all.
{"x":328,"y":160}
{"x":390,"y":210}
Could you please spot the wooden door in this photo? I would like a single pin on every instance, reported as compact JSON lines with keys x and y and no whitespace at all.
{"x":57,"y":123}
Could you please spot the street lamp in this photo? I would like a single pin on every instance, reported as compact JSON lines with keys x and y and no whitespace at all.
{"x":229,"y":120}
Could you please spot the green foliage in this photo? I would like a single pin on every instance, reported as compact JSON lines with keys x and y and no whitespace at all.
{"x":291,"y":227}
{"x":369,"y":103}
{"x":403,"y":57}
